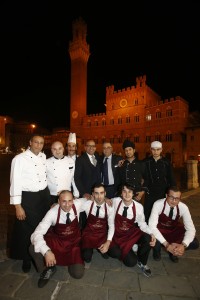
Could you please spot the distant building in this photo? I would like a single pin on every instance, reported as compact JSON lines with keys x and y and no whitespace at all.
{"x":137,"y":113}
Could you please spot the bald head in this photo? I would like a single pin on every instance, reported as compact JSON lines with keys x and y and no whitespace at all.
{"x":57,"y":149}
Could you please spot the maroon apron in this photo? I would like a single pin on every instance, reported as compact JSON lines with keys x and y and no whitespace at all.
{"x":126,"y":233}
{"x":172,"y":230}
{"x":96,"y":230}
{"x":64,"y":241}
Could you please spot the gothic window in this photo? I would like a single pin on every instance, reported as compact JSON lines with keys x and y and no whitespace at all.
{"x":136,"y":101}
{"x":136,"y":118}
{"x":158,"y":137}
{"x":158,"y":114}
{"x":119,"y":139}
{"x":136,"y":138}
{"x":148,"y":139}
{"x":120,"y":120}
{"x":96,"y":139}
{"x":112,"y":140}
{"x":88,"y":123}
{"x":96,"y":122}
{"x":127,"y":119}
{"x":148,"y":117}
{"x":168,"y":137}
{"x":128,"y":137}
{"x":169,"y":112}
{"x":103,"y":139}
{"x":103,"y":122}
{"x":191,"y":138}
{"x":112,"y":121}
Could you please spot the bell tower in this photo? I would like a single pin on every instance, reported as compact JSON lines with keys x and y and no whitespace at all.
{"x":79,"y":52}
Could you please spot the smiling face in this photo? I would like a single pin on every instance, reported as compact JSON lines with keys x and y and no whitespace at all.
{"x":71,"y":149}
{"x":127,"y":195}
{"x":66,"y":200}
{"x":107,"y":149}
{"x":90,"y":147}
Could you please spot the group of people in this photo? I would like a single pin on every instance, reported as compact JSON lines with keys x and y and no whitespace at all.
{"x":68,"y":205}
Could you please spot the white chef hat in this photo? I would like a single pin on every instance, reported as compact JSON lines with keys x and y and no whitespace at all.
{"x":72,"y":138}
{"x":156,"y":144}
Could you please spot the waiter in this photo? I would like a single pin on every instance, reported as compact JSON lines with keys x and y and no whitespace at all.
{"x":56,"y":240}
{"x":30,"y":196}
{"x":99,"y":228}
{"x":165,"y":222}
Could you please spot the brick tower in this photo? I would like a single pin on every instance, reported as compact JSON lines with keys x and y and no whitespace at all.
{"x":79,"y":54}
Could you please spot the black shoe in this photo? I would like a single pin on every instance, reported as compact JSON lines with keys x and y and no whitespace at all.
{"x":45,"y":276}
{"x":173,"y":258}
{"x":156,"y":256}
{"x":26,"y":266}
{"x":105,"y":255}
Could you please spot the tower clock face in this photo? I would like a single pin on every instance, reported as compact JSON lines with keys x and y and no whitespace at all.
{"x":74,"y":114}
{"x":123,"y":102}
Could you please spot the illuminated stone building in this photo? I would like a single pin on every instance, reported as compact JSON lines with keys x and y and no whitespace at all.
{"x":137,"y":112}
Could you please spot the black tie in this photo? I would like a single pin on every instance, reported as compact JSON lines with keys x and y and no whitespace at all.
{"x":68,"y":221}
{"x":97,"y":212}
{"x":125,"y":212}
{"x":171,"y":212}
{"x":105,"y":172}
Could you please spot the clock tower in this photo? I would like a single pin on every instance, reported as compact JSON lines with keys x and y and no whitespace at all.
{"x":79,"y":54}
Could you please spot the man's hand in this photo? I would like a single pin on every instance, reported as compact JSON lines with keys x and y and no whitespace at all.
{"x":50,"y":259}
{"x":153,"y":241}
{"x":139,"y":196}
{"x":109,"y":201}
{"x":20,"y":212}
{"x":178,"y":250}
{"x":88,"y":196}
{"x":104,"y":247}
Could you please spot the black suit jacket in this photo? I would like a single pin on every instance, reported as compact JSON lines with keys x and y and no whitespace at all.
{"x":86,"y":174}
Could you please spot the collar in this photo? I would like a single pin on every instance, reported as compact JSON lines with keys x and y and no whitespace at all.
{"x":58,"y":158}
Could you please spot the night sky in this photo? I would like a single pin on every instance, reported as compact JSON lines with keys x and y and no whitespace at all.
{"x":157,"y":38}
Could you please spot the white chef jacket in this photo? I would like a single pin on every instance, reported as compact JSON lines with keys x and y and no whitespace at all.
{"x":110,"y":214}
{"x":60,"y":175}
{"x":184,"y":214}
{"x":28,"y":173}
{"x":140,"y":218}
{"x":37,"y":237}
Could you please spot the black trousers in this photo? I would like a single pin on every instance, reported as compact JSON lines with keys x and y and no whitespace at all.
{"x":130,"y":260}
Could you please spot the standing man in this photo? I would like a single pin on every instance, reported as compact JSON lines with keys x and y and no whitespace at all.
{"x":87,"y":174}
{"x":60,"y":172}
{"x":71,"y":146}
{"x":110,"y":176}
{"x":130,"y":229}
{"x":56,"y":240}
{"x":87,"y":170}
{"x":132,"y":170}
{"x":158,"y":177}
{"x":99,"y":229}
{"x":30,"y":196}
{"x":174,"y":234}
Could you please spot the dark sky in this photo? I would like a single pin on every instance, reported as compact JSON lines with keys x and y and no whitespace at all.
{"x":157,"y":38}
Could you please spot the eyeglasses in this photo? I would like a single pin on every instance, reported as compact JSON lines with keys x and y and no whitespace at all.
{"x":173,"y":198}
{"x":105,"y":148}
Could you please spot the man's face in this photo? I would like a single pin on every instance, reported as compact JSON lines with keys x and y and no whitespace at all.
{"x":36,"y":144}
{"x":127,"y":195}
{"x":156,"y":152}
{"x":129,"y":152}
{"x":90,"y":147}
{"x":99,"y":195}
{"x":71,"y":149}
{"x":107,"y":149}
{"x":173,"y":198}
{"x":66,"y":201}
{"x":57,"y":150}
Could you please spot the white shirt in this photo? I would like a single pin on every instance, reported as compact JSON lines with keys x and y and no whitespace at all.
{"x":28,"y":173}
{"x":110,"y":214}
{"x":110,"y":172}
{"x":60,"y":175}
{"x":37,"y":237}
{"x":183,"y":212}
{"x":140,"y":218}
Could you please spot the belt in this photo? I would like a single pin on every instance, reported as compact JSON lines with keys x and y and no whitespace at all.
{"x":109,"y":185}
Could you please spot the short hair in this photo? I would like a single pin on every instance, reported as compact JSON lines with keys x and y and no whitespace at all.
{"x":128,"y":186}
{"x":97,"y":185}
{"x":174,"y":188}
